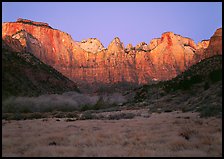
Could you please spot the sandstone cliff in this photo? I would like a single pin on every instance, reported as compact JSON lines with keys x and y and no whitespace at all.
{"x":92,"y":45}
{"x":215,"y":44}
{"x":209,"y":48}
{"x":88,"y":62}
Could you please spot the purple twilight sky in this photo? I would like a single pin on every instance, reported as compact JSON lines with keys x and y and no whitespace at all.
{"x":132,"y":22}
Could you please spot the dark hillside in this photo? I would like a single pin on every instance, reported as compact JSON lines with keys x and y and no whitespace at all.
{"x":25,"y":75}
{"x":197,"y":89}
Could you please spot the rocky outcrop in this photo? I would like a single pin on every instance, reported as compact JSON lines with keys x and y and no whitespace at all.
{"x":26,"y":21}
{"x":203,"y":44}
{"x":88,"y":62}
{"x":186,"y":41}
{"x":169,"y":58}
{"x":56,"y":47}
{"x":200,"y":51}
{"x":215,"y":44}
{"x":116,"y":45}
{"x":28,"y":42}
{"x":129,"y":48}
{"x":209,"y":48}
{"x":91,"y":45}
{"x":154,"y":43}
{"x":142,"y":47}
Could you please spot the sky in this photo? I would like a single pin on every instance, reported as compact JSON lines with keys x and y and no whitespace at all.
{"x":132,"y":22}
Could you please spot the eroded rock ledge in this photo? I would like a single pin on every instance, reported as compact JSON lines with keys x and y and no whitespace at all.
{"x":26,"y":21}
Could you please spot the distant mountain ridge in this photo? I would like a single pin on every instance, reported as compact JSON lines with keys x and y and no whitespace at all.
{"x":88,"y":63}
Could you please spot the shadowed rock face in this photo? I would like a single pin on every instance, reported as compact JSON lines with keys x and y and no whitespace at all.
{"x":88,"y":62}
{"x":25,"y":75}
{"x":12,"y":44}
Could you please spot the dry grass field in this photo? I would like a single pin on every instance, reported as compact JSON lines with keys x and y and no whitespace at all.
{"x":158,"y":134}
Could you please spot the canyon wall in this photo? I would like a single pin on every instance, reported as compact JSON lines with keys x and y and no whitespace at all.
{"x":89,"y":63}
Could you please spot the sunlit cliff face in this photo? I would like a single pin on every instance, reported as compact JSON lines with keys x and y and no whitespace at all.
{"x":89,"y":62}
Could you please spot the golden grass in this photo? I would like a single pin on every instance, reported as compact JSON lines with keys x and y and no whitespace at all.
{"x":158,"y":135}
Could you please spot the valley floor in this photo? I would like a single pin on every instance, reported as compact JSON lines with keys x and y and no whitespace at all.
{"x":165,"y":134}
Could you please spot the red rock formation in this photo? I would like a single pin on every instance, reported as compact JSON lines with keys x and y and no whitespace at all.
{"x":171,"y":56}
{"x":154,"y":43}
{"x":142,"y":47}
{"x":208,"y":48}
{"x":89,"y":62}
{"x":215,"y":44}
{"x":91,"y":45}
{"x":200,"y":51}
{"x":26,"y":21}
{"x":129,"y":48}
{"x":203,"y":44}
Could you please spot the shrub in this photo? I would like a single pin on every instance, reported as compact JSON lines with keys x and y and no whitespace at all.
{"x":210,"y":110}
{"x":100,"y":104}
{"x":59,"y":115}
{"x":85,"y":107}
{"x":70,"y":119}
{"x":178,"y":146}
{"x":216,"y":75}
{"x":196,"y":79}
{"x":206,"y":86}
{"x":87,"y":115}
{"x":121,"y":116}
{"x":71,"y":115}
{"x":35,"y":115}
{"x":14,"y":116}
{"x":187,"y":132}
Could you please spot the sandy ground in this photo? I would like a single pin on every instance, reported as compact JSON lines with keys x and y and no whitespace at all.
{"x":165,"y":134}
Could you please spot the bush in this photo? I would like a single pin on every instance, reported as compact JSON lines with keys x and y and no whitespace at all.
{"x":70,"y":119}
{"x":196,"y":79}
{"x":85,"y":107}
{"x":87,"y":115}
{"x":71,"y":115}
{"x":210,"y":110}
{"x":35,"y":115}
{"x":206,"y":85}
{"x":100,"y":104}
{"x":121,"y":116}
{"x":187,"y":132}
{"x":59,"y":115}
{"x":12,"y":116}
{"x":216,"y":75}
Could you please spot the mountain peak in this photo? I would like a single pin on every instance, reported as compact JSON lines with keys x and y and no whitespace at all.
{"x":27,"y":21}
{"x":218,"y":32}
{"x":116,"y":45}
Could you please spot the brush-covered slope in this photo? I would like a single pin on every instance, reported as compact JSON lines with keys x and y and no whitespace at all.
{"x":25,"y":75}
{"x":197,"y":89}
